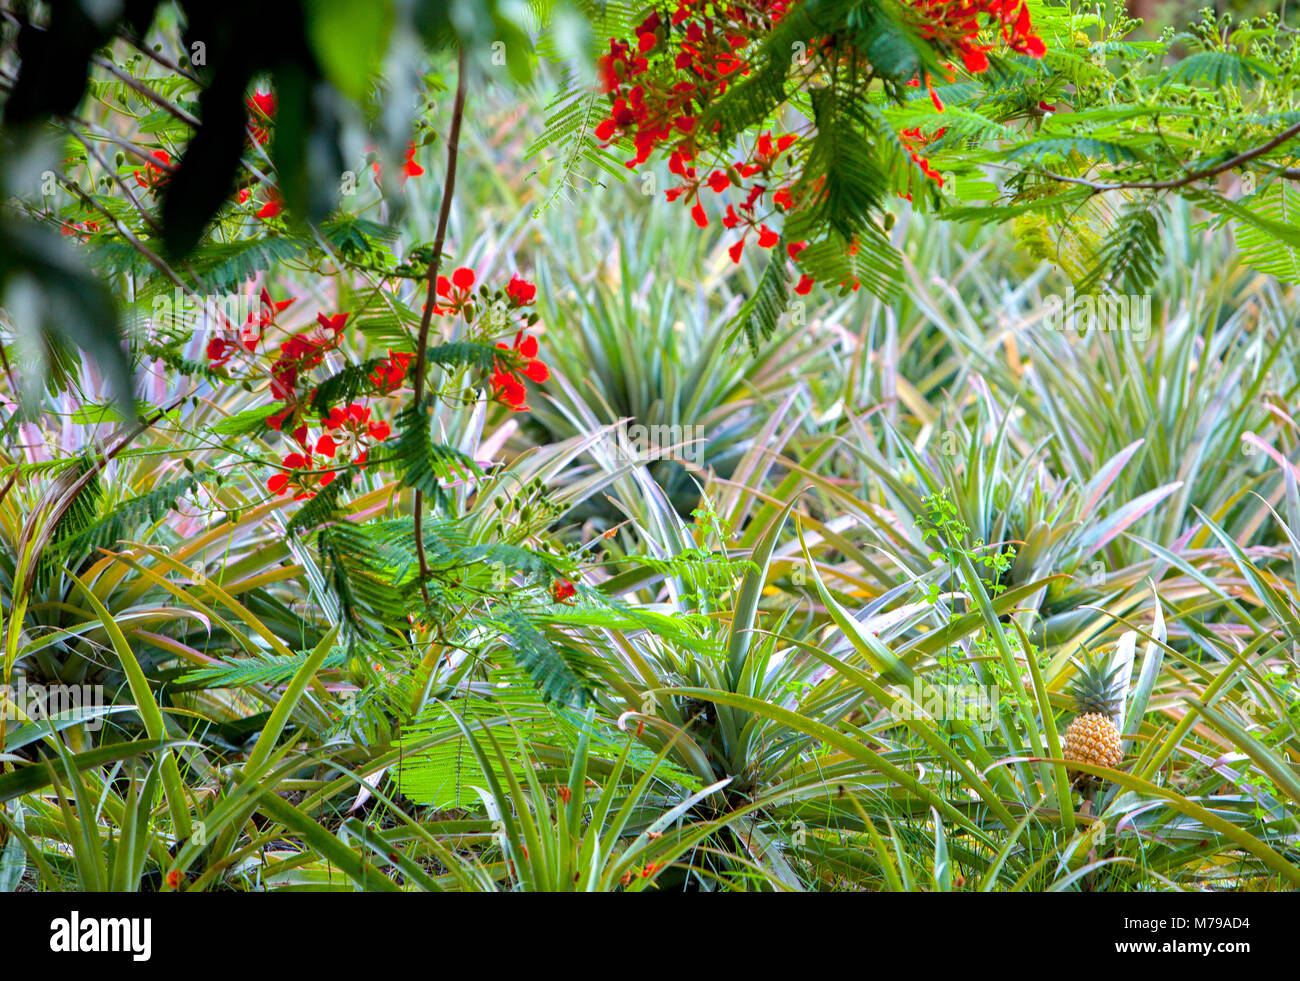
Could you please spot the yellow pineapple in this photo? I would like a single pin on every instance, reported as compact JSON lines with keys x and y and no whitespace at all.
{"x":1094,"y":737}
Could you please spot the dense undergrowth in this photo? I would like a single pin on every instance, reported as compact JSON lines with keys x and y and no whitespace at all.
{"x":687,"y":623}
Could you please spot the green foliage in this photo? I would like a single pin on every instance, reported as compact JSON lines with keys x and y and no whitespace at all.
{"x":1273,"y":212}
{"x":422,"y":462}
{"x":265,"y":669}
{"x":554,"y":666}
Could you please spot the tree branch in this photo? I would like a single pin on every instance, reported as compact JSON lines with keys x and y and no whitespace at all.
{"x":1244,"y":157}
{"x":431,"y":293}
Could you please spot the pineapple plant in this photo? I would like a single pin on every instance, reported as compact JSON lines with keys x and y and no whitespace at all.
{"x":1093,"y":737}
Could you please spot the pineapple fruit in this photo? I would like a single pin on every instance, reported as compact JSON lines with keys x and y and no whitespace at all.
{"x":1094,"y":737}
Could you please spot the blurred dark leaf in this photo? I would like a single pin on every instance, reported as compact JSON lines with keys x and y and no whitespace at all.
{"x":74,"y":304}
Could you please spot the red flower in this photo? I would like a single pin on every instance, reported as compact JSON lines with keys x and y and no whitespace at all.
{"x":291,"y":414}
{"x":219,"y":351}
{"x":300,"y":353}
{"x":272,"y":307}
{"x":456,"y":290}
{"x":975,"y":60}
{"x":262,"y":107}
{"x":332,"y":325}
{"x":410,"y":168}
{"x":156,"y":171}
{"x":274,"y":205}
{"x":174,"y":879}
{"x":934,"y":96}
{"x":562,"y":590}
{"x":388,"y":375}
{"x":249,"y":334}
{"x":351,"y":431}
{"x":262,"y":103}
{"x":520,"y":291}
{"x":301,"y":478}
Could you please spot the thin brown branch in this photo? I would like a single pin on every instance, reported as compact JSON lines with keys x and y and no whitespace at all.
{"x":141,"y":89}
{"x":155,"y":56}
{"x":149,"y":255}
{"x":1168,"y":185}
{"x":422,"y":341}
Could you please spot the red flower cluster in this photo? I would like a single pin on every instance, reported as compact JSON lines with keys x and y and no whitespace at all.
{"x":657,"y":89}
{"x":678,"y":66}
{"x":508,"y":378}
{"x":957,"y":24}
{"x":304,"y":351}
{"x":249,"y":335}
{"x":81,"y":229}
{"x":660,"y":84}
{"x":348,"y":433}
{"x":520,"y":361}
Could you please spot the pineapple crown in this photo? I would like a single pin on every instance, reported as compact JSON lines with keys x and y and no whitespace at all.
{"x":1097,"y":687}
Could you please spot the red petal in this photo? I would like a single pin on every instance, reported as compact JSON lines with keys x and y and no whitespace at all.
{"x":975,"y":61}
